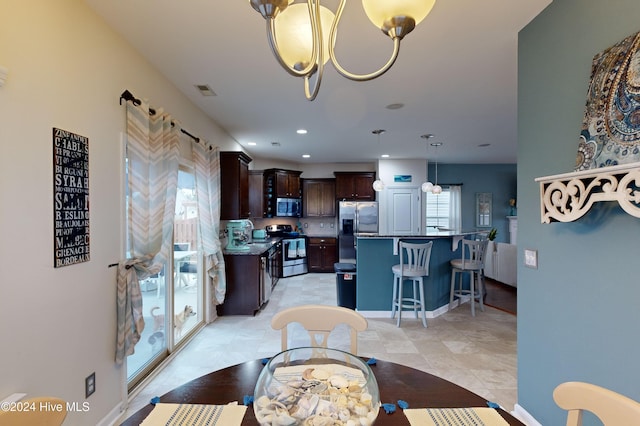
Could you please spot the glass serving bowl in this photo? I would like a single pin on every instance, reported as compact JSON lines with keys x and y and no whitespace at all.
{"x":316,"y":386}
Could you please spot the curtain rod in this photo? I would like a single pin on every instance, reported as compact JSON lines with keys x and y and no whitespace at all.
{"x":128,"y":96}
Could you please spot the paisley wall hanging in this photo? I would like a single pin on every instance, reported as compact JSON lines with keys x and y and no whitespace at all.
{"x":610,"y":133}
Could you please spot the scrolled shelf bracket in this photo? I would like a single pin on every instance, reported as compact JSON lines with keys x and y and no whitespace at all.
{"x":569,"y":196}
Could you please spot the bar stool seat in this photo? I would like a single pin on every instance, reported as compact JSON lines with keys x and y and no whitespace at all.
{"x":413,"y":266}
{"x":472,"y":262}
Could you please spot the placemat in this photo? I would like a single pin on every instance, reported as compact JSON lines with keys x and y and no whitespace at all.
{"x":195,"y":415}
{"x":482,"y":416}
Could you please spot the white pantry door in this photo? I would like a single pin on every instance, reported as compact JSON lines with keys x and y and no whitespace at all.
{"x":403,"y":211}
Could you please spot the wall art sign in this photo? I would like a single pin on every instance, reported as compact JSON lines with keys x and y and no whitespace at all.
{"x":70,"y":198}
{"x":610,"y":133}
{"x":402,"y":178}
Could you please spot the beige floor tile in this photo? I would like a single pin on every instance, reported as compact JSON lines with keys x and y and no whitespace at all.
{"x":478,"y":353}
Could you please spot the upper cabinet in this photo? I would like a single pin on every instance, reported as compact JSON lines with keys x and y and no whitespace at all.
{"x":355,"y":186}
{"x":318,"y":197}
{"x":256,"y":193}
{"x":285,"y":183}
{"x":279,"y":183}
{"x":234,"y":185}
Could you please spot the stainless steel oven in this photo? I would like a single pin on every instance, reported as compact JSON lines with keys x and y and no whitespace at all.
{"x":294,"y":250}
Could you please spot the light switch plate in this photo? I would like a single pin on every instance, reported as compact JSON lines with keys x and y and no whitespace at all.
{"x":531,"y":258}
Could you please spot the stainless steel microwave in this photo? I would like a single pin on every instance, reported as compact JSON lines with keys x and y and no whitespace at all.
{"x":290,"y":207}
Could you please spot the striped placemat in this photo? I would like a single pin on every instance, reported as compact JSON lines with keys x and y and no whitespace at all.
{"x":195,"y":415}
{"x":482,"y":416}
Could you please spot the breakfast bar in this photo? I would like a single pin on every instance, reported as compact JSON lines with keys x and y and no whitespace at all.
{"x":377,"y":253}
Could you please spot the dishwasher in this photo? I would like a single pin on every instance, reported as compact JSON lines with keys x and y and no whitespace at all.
{"x":268,"y":275}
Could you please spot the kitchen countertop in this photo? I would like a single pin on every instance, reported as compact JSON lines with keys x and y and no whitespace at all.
{"x":429,"y":233}
{"x":256,"y":248}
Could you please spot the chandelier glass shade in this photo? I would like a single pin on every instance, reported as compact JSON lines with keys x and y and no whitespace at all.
{"x":302,"y":35}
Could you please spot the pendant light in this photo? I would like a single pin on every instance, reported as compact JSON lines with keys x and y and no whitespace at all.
{"x":437,"y":189}
{"x":427,"y":186}
{"x":378,"y":185}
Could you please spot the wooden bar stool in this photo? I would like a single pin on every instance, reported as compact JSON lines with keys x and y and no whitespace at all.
{"x":414,"y":265}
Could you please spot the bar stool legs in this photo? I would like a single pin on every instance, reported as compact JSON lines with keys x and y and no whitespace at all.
{"x":475,"y":291}
{"x":416,"y":302}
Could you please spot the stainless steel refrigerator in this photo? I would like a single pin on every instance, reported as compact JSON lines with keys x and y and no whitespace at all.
{"x":354,"y":217}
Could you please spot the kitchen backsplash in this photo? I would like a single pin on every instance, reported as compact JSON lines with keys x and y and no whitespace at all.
{"x":312,"y":226}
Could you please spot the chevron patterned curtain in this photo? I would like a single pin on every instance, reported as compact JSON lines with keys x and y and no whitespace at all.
{"x":207,"y":172}
{"x":153,"y":159}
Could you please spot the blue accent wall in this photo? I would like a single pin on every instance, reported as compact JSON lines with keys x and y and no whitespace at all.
{"x":498,"y":179}
{"x":578,"y":313}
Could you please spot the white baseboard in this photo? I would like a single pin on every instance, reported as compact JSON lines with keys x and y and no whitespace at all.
{"x":113,"y":418}
{"x":429,"y":314}
{"x":524,"y":416}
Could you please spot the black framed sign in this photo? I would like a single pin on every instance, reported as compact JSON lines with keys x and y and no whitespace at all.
{"x":70,"y":198}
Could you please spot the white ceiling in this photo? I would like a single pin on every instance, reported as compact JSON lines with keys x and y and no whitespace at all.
{"x":456,"y":76}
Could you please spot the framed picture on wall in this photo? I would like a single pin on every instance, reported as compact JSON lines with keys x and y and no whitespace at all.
{"x":483,"y":209}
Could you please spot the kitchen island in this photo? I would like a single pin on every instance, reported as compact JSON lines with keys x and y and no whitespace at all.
{"x":250,"y":277}
{"x":375,"y":256}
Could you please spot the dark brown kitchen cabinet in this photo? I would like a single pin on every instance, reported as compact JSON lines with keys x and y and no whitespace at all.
{"x":243,"y":278}
{"x":234,"y":185}
{"x":355,"y":186}
{"x":256,"y":193}
{"x":321,"y":254}
{"x":285,"y":183}
{"x":318,"y":197}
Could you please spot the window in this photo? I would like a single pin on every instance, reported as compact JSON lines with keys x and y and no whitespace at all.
{"x":443,"y":210}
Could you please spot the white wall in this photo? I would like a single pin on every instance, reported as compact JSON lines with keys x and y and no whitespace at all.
{"x":67,"y":69}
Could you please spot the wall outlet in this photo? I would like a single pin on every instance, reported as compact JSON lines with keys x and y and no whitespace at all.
{"x":90,"y":384}
{"x":531,"y":258}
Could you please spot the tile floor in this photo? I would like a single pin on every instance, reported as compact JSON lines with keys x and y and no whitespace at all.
{"x":476,"y":353}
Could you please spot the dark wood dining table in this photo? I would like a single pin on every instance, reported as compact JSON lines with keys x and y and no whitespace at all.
{"x":395,"y":382}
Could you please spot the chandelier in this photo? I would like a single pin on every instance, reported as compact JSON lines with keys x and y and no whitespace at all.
{"x":298,"y":37}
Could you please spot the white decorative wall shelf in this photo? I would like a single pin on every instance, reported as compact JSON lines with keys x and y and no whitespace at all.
{"x":569,"y":196}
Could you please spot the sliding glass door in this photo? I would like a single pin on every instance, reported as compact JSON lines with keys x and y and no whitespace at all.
{"x":176,"y":290}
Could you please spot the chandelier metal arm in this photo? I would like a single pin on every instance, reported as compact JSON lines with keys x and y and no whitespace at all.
{"x":359,"y":77}
{"x":273,"y":44}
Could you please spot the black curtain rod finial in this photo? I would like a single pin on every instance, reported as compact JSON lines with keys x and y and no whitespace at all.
{"x":128,"y":96}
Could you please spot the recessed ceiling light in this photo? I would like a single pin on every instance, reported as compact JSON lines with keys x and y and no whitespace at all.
{"x":436,"y":143}
{"x":251,"y":143}
{"x":306,"y":156}
{"x":385,"y":156}
{"x":428,"y":136}
{"x":301,"y":131}
{"x":394,"y":106}
{"x":484,"y":145}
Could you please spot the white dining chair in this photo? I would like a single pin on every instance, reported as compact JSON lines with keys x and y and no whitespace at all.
{"x":47,"y":411}
{"x":612,"y":408}
{"x":320,"y":321}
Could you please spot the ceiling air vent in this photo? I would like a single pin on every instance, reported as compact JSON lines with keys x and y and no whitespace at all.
{"x":205,"y":90}
{"x":275,"y":143}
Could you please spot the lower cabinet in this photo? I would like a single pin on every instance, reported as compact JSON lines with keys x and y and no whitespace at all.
{"x":501,"y":263}
{"x":321,"y":254}
{"x":243,"y":285}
